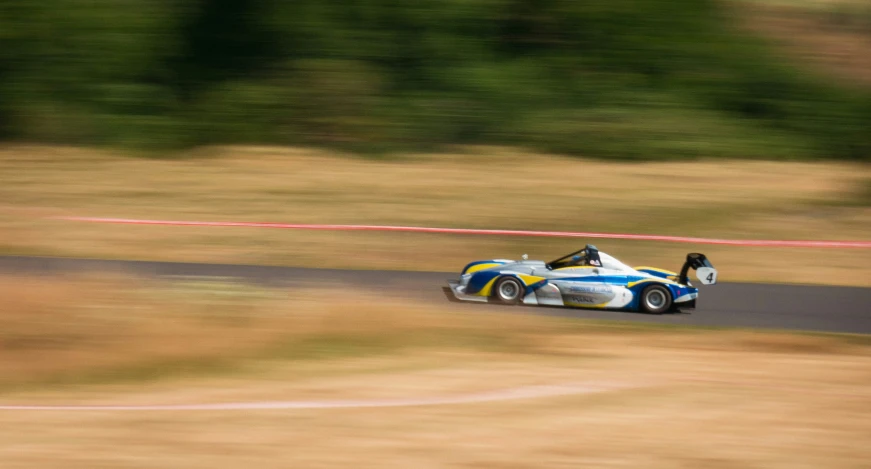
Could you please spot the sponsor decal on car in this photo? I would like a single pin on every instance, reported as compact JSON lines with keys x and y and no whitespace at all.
{"x":590,"y":289}
{"x":583,"y":299}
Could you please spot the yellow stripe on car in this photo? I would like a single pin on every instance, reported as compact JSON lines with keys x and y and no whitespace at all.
{"x":485,"y":291}
{"x":584,"y":305}
{"x":526,"y":279}
{"x":478,"y":267}
{"x":529,"y":279}
{"x":655,"y":280}
{"x":656,"y":269}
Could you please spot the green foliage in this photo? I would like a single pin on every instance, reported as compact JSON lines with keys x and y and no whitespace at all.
{"x":609,"y":78}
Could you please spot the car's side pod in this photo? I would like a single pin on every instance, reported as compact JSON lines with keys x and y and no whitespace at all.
{"x":707,"y":275}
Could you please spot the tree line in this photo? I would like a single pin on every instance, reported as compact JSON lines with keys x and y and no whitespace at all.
{"x":621,"y":79}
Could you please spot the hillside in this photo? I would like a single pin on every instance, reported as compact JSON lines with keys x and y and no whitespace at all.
{"x":829,"y":38}
{"x":622,"y":79}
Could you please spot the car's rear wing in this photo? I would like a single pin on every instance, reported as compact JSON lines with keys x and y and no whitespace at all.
{"x":705,"y":271}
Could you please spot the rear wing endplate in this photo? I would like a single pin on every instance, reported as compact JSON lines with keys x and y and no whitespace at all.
{"x":705,"y":271}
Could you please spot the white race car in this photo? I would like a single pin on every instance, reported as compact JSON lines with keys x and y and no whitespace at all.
{"x":587,"y":278}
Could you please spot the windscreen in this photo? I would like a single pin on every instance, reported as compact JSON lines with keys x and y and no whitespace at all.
{"x":609,"y":262}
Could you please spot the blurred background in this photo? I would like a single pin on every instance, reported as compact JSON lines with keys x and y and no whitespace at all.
{"x":624,"y":79}
{"x":727,"y":119}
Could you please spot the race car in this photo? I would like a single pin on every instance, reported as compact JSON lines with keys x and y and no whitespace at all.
{"x":586,"y":278}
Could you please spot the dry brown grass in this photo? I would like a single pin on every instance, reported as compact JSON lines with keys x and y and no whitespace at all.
{"x":485,"y":188}
{"x":98,"y":328}
{"x":718,"y":399}
{"x":52,"y":329}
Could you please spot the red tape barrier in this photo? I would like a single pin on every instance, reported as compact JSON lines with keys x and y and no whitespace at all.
{"x":467,"y":231}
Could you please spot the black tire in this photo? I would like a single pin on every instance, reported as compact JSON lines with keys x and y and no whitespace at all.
{"x":508,"y":290}
{"x":655,"y":299}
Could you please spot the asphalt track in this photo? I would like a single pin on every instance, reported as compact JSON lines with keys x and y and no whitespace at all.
{"x":771,"y":306}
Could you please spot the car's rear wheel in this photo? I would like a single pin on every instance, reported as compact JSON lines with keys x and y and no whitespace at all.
{"x":508,"y":290}
{"x":656,"y":299}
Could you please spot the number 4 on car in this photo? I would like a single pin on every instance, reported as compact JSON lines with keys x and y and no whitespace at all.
{"x":586,"y":278}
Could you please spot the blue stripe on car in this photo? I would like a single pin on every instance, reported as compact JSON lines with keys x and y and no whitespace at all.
{"x":472,"y":264}
{"x":479,"y":280}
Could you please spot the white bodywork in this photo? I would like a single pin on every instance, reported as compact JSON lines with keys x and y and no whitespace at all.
{"x":567,"y":286}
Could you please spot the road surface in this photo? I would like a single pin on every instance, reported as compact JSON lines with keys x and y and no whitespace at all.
{"x":773,"y":306}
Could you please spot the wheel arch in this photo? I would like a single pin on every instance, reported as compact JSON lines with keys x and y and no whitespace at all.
{"x":529,"y":282}
{"x":637,"y":288}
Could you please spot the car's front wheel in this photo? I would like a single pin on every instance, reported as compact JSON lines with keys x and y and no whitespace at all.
{"x":508,"y":290}
{"x":655,"y":299}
